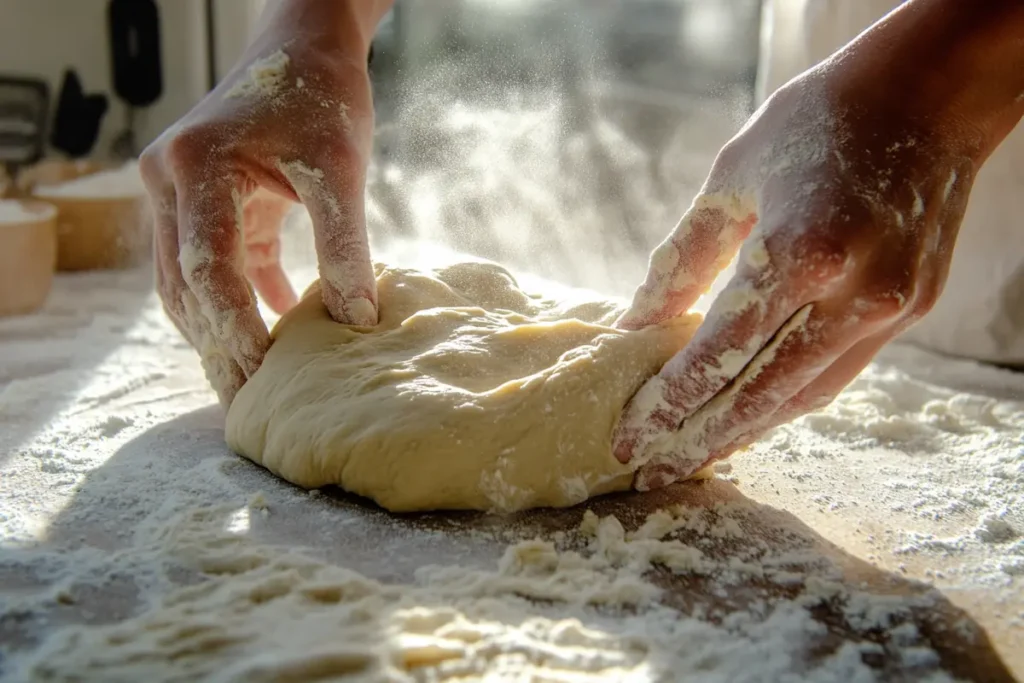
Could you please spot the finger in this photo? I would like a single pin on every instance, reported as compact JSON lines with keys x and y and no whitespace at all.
{"x":815,"y":396}
{"x":271,"y":282}
{"x":263,"y":218}
{"x":802,"y":355}
{"x":211,"y":258}
{"x":263,"y":268}
{"x":224,"y":375}
{"x":169,"y":284}
{"x":686,"y":264}
{"x":752,"y":307}
{"x":822,"y":390}
{"x":334,"y":198}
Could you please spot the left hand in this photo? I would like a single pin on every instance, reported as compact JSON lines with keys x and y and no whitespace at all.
{"x":293,"y":121}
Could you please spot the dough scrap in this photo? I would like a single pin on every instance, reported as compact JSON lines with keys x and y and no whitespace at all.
{"x":468,"y":394}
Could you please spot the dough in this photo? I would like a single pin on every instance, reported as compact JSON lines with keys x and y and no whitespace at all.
{"x":468,"y":394}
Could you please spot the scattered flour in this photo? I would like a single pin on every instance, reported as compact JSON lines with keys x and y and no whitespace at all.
{"x":13,"y":211}
{"x":120,"y":550}
{"x":577,"y":610}
{"x":938,"y":472}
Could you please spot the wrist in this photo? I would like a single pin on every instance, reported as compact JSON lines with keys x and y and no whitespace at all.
{"x":948,"y":67}
{"x":343,"y":27}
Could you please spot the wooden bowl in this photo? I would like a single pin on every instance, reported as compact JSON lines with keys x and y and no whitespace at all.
{"x":28,"y":254}
{"x":6,"y":184}
{"x":102,"y":221}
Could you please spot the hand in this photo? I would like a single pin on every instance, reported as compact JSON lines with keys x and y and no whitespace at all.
{"x":293,"y":122}
{"x":846,"y":191}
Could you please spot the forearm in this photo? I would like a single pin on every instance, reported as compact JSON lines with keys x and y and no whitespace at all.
{"x":348,"y":25}
{"x":953,"y":64}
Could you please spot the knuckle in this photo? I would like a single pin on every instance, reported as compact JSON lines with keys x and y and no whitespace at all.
{"x":820,"y":256}
{"x":345,"y":153}
{"x":151,"y":166}
{"x":728,"y":160}
{"x":923,"y":299}
{"x":191,"y":146}
{"x":903,"y":295}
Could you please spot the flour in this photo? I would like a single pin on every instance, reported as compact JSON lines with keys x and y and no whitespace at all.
{"x":120,"y":183}
{"x":667,"y":277}
{"x":268,"y":615}
{"x":14,"y":212}
{"x":346,"y":120}
{"x":945,"y":468}
{"x":308,"y":184}
{"x":114,"y":475}
{"x":264,"y":77}
{"x":947,"y":188}
{"x":994,"y":528}
{"x":346,"y":281}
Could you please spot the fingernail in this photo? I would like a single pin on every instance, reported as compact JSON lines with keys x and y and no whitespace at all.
{"x":622,"y":446}
{"x":360,"y":311}
{"x":356,"y":310}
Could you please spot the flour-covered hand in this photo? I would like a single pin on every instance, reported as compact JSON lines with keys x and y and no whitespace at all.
{"x":843,"y":195}
{"x":292,"y":122}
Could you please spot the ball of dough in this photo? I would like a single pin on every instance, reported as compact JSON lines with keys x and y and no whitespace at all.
{"x":468,"y":394}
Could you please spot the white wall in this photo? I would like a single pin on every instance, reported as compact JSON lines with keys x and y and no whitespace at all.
{"x":234,"y":22}
{"x":43,"y":37}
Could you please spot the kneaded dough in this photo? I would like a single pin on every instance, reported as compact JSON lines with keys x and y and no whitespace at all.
{"x":468,"y":394}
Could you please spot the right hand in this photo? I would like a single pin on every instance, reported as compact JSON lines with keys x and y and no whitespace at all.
{"x":292,"y":122}
{"x":844,"y":215}
{"x":846,"y":191}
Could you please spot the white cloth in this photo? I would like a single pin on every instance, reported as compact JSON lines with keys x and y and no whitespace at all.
{"x":981,"y":311}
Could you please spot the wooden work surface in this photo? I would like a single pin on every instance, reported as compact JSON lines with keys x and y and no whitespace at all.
{"x":356,"y":534}
{"x":131,"y":439}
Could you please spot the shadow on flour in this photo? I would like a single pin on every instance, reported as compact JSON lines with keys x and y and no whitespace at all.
{"x":111,"y":562}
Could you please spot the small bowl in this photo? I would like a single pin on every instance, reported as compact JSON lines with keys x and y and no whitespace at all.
{"x":101,"y":220}
{"x":28,"y":254}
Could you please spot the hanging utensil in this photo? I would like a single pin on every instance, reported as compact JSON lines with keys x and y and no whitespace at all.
{"x":135,"y":56}
{"x":23,"y":108}
{"x":76,"y":125}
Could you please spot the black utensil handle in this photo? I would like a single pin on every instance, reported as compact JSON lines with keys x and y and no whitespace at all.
{"x":135,"y":50}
